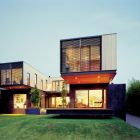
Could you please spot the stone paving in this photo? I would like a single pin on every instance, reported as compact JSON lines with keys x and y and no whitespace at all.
{"x":133,"y":120}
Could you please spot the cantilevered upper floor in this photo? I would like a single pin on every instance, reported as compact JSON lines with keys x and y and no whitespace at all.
{"x":21,"y":75}
{"x":16,"y":75}
{"x":88,"y":59}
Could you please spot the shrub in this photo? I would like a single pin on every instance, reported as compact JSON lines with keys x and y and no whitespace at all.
{"x":35,"y":97}
{"x":133,"y":97}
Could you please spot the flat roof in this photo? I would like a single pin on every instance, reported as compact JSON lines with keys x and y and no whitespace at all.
{"x":85,"y":37}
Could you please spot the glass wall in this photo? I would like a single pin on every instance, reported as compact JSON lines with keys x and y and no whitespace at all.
{"x":95,"y":98}
{"x":6,"y":76}
{"x":11,"y":73}
{"x":81,"y":99}
{"x":80,"y":55}
{"x":90,"y":98}
{"x":17,"y":76}
{"x":56,"y":102}
{"x":19,"y":101}
{"x":57,"y":85}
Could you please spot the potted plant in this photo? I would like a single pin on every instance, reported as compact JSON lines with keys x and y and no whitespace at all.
{"x":35,"y":100}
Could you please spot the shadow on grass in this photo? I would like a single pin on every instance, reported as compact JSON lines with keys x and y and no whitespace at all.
{"x":77,"y":117}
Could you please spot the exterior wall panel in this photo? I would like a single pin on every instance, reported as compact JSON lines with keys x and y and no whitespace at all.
{"x":29,"y":69}
{"x":109,"y":52}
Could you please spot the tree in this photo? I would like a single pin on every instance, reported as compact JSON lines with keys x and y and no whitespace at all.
{"x":133,"y":97}
{"x":64,"y":93}
{"x":35,"y":97}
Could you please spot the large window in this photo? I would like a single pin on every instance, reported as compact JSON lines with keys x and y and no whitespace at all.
{"x":11,"y":73}
{"x":81,"y":98}
{"x":56,"y":102}
{"x":90,"y":98}
{"x":57,"y":85}
{"x":6,"y":77}
{"x":20,"y":101}
{"x":17,"y":76}
{"x":95,"y":98}
{"x":81,"y":55}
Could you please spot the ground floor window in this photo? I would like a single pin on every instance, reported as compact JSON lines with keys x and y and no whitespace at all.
{"x":90,"y":98}
{"x":19,"y":101}
{"x":56,"y":102}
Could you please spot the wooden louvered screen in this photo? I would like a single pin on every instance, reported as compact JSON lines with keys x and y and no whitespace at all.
{"x":70,"y":56}
{"x":95,"y":58}
{"x":85,"y":58}
{"x":80,"y":55}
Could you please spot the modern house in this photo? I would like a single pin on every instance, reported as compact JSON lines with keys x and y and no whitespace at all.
{"x":87,"y":65}
{"x":16,"y":81}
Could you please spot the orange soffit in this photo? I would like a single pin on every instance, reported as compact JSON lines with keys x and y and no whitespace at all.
{"x":89,"y":78}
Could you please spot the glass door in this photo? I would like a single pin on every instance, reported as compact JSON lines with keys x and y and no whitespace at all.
{"x":95,"y":98}
{"x":81,"y":99}
{"x":89,"y":99}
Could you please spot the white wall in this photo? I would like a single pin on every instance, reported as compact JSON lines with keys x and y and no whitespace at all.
{"x":109,"y":52}
{"x":29,"y":69}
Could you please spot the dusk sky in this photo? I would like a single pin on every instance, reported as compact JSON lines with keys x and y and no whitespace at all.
{"x":30,"y":31}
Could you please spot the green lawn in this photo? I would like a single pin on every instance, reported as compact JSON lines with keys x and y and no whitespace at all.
{"x":33,"y":127}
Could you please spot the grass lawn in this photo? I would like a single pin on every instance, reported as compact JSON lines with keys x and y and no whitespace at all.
{"x":33,"y":127}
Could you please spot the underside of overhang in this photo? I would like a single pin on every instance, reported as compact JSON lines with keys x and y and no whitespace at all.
{"x":91,"y":78}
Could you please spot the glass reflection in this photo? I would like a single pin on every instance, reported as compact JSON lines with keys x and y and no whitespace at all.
{"x":81,"y":98}
{"x":95,"y":98}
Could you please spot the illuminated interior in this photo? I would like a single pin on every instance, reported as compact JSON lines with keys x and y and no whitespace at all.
{"x":56,"y":102}
{"x":20,"y":101}
{"x":90,"y":99}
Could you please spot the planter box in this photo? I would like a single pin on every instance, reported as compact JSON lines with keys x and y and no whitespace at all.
{"x":35,"y":111}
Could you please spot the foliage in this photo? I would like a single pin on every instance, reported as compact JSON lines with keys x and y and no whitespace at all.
{"x":35,"y":97}
{"x":133,"y":97}
{"x":64,"y":93}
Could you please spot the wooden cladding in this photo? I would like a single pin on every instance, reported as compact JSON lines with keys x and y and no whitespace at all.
{"x":79,"y":55}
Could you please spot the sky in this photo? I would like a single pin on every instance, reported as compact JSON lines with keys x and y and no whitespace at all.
{"x":30,"y":31}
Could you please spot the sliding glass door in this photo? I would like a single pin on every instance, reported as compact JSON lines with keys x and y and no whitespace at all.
{"x":89,"y":98}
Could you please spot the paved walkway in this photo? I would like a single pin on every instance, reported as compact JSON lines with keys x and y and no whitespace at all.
{"x":133,"y":120}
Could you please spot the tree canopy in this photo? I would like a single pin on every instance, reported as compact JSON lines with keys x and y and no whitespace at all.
{"x":133,"y":97}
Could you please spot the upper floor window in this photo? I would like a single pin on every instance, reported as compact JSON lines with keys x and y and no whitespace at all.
{"x":5,"y":76}
{"x":11,"y":73}
{"x":28,"y":79}
{"x":79,"y":55}
{"x":46,"y":84}
{"x":35,"y":79}
{"x":42,"y":84}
